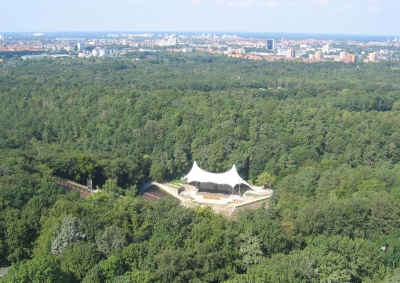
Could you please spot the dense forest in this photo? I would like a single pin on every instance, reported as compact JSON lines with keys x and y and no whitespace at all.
{"x":325,"y":136}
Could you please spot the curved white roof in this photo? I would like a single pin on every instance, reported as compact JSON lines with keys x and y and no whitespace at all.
{"x":230,"y":178}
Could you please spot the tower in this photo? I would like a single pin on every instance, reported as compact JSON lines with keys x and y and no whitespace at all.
{"x":319,"y":55}
{"x":290,"y":53}
{"x":271,"y":44}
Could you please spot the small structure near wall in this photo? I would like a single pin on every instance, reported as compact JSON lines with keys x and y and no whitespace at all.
{"x":89,"y":183}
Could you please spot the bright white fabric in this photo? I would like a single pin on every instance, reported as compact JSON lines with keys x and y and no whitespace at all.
{"x":230,"y":178}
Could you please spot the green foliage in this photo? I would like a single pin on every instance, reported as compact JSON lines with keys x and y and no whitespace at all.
{"x":78,"y":258}
{"x":324,"y":136}
{"x":139,"y":276}
{"x":334,"y":259}
{"x":111,"y":268}
{"x":68,"y":232}
{"x":266,"y":179}
{"x":94,"y":275}
{"x":393,"y":278}
{"x":85,"y":166}
{"x":44,"y":270}
{"x":112,"y":188}
{"x":158,"y":171}
{"x":109,"y":240}
{"x":50,"y":192}
{"x":250,"y":249}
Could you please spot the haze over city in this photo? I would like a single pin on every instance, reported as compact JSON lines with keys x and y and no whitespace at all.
{"x":297,"y":16}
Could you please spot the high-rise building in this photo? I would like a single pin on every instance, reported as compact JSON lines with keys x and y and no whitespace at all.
{"x":172,"y":41}
{"x":71,"y":48}
{"x":81,"y":46}
{"x":290,"y":53}
{"x":373,"y":57}
{"x":1,"y":37}
{"x":342,"y":55}
{"x":350,"y":58}
{"x":271,"y":44}
{"x":326,"y":48}
{"x":319,"y":55}
{"x":102,"y":52}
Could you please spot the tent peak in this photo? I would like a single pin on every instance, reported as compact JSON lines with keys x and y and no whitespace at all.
{"x":230,"y":177}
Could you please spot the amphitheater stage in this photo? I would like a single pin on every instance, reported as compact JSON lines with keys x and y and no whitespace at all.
{"x":213,"y":193}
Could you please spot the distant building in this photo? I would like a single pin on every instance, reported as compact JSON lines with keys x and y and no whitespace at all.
{"x":326,"y":48}
{"x":81,"y":46}
{"x":168,"y":42}
{"x":95,"y":52}
{"x":290,"y":53}
{"x":102,"y":52}
{"x":373,"y":57}
{"x":350,"y":58}
{"x":305,"y":46}
{"x":237,"y":51}
{"x":270,"y":44}
{"x":172,"y":41}
{"x":70,"y":48}
{"x":254,"y":57}
{"x":319,"y":55}
{"x":1,"y":37}
{"x":233,"y":55}
{"x":342,"y":55}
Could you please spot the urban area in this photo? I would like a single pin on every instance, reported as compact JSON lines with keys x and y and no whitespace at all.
{"x":40,"y":45}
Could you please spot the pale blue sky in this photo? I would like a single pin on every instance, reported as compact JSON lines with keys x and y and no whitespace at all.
{"x":380,"y":17}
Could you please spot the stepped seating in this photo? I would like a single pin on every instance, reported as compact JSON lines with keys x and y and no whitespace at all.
{"x":150,"y":197}
{"x":153,"y":194}
{"x":159,"y":194}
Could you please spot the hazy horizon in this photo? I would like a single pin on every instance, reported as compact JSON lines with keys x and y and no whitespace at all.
{"x":276,"y":35}
{"x":355,"y":17}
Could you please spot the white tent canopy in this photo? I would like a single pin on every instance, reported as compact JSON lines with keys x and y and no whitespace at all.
{"x":230,"y":178}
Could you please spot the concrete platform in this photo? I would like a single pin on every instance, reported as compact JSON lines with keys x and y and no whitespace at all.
{"x":202,"y":200}
{"x":220,"y":194}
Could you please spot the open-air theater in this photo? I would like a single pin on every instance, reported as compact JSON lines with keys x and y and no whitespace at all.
{"x":227,"y":186}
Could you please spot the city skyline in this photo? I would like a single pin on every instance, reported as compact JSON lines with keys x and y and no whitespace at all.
{"x":377,"y":17}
